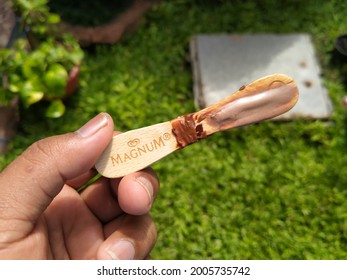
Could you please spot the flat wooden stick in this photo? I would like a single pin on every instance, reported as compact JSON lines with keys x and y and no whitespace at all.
{"x":134,"y":150}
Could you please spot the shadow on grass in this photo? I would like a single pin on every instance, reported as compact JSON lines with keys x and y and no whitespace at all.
{"x":89,"y":12}
{"x":339,"y":62}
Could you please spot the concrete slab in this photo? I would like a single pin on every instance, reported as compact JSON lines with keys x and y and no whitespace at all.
{"x":224,"y":62}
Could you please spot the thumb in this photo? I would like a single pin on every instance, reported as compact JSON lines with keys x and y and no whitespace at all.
{"x":29,"y":184}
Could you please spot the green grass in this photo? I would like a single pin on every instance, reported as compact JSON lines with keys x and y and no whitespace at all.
{"x":267,"y":191}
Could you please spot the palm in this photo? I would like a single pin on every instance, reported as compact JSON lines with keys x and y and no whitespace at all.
{"x":68,"y":229}
{"x":74,"y":232}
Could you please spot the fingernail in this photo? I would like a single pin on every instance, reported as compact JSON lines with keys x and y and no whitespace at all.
{"x":93,"y":126}
{"x":147,"y":186}
{"x":121,"y":250}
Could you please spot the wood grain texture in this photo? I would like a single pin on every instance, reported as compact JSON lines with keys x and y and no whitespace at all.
{"x":136,"y":149}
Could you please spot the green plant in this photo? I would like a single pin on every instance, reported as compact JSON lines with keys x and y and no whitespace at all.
{"x":39,"y":74}
{"x":36,"y":17}
{"x":38,"y":68}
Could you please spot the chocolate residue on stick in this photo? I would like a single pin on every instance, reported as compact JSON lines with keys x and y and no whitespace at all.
{"x":186,"y":130}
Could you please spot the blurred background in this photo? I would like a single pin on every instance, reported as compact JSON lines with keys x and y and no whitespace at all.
{"x":274,"y":190}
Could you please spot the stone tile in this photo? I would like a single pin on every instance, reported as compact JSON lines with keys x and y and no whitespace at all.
{"x":224,"y":62}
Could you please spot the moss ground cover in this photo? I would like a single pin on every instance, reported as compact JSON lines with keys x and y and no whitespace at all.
{"x":267,"y":191}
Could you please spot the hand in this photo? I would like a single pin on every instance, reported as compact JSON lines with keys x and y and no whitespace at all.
{"x":42,"y":216}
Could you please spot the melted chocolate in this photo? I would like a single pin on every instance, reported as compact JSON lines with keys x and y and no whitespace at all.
{"x":249,"y":105}
{"x":252,"y":108}
{"x":186,"y":130}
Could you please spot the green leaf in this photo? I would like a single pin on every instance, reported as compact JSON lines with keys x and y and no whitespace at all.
{"x":55,"y":80}
{"x":33,"y":65}
{"x":14,"y":88}
{"x":25,"y":4}
{"x":56,"y":109}
{"x":53,"y":18}
{"x":30,"y":94}
{"x":39,"y":3}
{"x":76,"y":57}
{"x":15,"y":83}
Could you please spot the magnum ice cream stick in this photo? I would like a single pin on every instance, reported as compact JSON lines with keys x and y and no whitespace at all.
{"x":260,"y":100}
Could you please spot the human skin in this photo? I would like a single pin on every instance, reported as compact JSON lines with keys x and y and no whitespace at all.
{"x":42,"y":216}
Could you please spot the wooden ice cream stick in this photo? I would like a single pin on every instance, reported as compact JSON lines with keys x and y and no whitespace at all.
{"x":260,"y":100}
